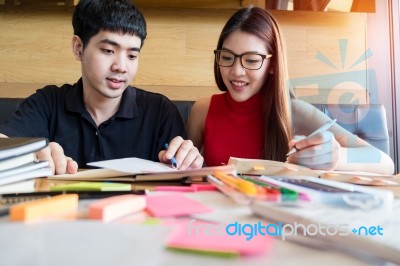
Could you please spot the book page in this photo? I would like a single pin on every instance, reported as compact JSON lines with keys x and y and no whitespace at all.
{"x":133,"y":166}
{"x":136,"y":169}
{"x":269,"y":168}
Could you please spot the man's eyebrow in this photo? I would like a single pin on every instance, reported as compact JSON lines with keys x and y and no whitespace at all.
{"x":113,"y":43}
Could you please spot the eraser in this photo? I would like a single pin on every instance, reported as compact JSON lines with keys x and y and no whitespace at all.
{"x":112,"y":208}
{"x":43,"y":208}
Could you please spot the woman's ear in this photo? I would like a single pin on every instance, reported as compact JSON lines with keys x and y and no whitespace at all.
{"x":77,"y":47}
{"x":271,"y":70}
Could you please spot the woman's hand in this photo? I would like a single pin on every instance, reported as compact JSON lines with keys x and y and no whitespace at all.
{"x":319,"y":151}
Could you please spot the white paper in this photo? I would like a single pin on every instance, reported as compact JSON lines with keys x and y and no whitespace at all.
{"x":134,"y":166}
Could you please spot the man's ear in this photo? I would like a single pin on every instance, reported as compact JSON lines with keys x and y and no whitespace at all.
{"x":77,"y":47}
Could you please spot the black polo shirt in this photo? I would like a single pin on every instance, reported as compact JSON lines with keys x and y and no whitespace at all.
{"x":144,"y":122}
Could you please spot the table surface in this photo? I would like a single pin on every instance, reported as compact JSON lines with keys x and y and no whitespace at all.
{"x":86,"y":242}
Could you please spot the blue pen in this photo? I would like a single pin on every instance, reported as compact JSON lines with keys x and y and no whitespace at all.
{"x":173,"y":160}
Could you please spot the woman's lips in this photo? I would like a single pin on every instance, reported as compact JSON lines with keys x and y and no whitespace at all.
{"x":239,"y":85}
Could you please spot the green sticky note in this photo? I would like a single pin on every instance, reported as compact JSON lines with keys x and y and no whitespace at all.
{"x":224,"y":254}
{"x":92,"y":186}
{"x":152,"y":221}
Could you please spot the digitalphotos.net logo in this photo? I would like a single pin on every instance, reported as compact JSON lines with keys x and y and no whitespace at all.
{"x":329,"y":89}
{"x":283,"y":231}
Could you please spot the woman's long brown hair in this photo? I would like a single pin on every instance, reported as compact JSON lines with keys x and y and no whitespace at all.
{"x":275,"y":91}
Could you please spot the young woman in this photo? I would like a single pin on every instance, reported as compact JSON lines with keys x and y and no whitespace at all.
{"x":257,"y":116}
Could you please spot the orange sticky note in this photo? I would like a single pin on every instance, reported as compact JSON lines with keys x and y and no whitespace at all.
{"x":43,"y":208}
{"x":112,"y":208}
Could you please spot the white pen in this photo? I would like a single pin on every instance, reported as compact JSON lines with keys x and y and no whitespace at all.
{"x":319,"y":130}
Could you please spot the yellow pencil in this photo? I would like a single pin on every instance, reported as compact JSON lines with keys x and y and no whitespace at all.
{"x":242,"y":185}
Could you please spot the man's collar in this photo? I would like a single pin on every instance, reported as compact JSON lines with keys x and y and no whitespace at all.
{"x":128,"y":107}
{"x":74,"y":98}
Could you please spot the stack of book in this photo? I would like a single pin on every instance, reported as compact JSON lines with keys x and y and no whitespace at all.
{"x":18,"y":159}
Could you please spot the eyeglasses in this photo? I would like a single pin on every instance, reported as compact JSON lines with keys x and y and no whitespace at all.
{"x":249,"y":60}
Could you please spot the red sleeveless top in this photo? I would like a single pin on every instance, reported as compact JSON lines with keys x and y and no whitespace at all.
{"x":232,"y":129}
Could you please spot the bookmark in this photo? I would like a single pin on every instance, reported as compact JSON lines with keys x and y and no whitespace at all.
{"x":92,"y":186}
{"x":258,"y":168}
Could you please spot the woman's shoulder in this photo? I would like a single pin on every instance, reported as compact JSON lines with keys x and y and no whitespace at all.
{"x":306,"y":117}
{"x":202,"y":103}
{"x":301,"y":107}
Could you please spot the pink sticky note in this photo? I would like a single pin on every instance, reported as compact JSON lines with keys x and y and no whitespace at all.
{"x":212,"y":238}
{"x":173,"y":205}
{"x":175,"y":188}
{"x":204,"y":187}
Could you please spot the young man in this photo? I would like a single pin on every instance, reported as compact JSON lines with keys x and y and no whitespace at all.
{"x":102,"y":117}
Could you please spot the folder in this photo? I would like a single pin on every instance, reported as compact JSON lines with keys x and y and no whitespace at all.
{"x":12,"y":147}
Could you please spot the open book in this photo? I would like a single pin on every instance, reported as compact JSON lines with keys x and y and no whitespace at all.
{"x":274,"y":168}
{"x":138,"y":170}
{"x":269,"y":168}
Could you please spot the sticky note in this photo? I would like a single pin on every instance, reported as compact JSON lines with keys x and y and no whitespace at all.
{"x":43,"y":208}
{"x":212,"y":239}
{"x":204,"y":187}
{"x":113,"y":208}
{"x":92,"y":186}
{"x":173,"y":205}
{"x":191,"y":188}
{"x":175,"y":188}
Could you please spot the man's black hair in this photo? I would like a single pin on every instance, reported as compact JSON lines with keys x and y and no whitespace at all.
{"x":92,"y":16}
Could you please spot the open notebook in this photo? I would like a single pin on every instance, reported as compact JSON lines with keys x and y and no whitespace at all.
{"x":373,"y":233}
{"x":137,"y":170}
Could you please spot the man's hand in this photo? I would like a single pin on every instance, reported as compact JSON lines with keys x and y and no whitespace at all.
{"x":186,"y":154}
{"x":60,"y":163}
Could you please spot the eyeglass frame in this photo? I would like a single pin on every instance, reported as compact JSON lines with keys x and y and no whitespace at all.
{"x":263,"y":56}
